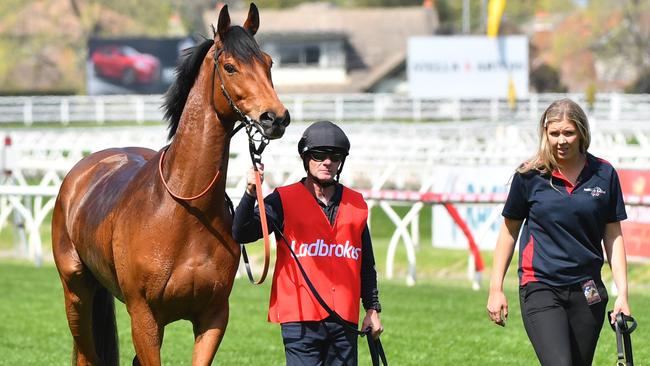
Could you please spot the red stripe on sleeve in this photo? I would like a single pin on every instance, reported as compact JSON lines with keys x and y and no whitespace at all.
{"x":527,"y":263}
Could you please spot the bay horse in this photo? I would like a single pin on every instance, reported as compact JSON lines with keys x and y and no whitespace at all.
{"x":121,"y":228}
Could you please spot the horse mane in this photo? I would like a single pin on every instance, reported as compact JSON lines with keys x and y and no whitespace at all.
{"x":186,"y":73}
{"x":237,"y":42}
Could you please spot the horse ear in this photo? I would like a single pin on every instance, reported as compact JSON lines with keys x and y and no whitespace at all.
{"x":252,"y":23}
{"x":224,"y":22}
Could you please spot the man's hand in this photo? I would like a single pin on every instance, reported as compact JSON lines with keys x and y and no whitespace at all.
{"x":372,"y":321}
{"x":250,"y":179}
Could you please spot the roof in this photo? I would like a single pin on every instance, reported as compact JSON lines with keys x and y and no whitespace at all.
{"x":301,"y":36}
{"x":378,"y":36}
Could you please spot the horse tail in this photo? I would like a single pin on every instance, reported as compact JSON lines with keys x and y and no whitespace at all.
{"x":105,"y":327}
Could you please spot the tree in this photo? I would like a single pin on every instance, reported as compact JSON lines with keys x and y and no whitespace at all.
{"x":621,"y":36}
{"x":641,"y":84}
{"x":546,"y":79}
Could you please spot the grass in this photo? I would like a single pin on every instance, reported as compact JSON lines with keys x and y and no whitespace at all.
{"x":436,"y":322}
{"x":440,"y":321}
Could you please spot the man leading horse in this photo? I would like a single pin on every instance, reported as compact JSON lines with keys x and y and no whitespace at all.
{"x":325,"y":225}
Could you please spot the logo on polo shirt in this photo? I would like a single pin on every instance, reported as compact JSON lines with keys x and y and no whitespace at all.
{"x":322,"y":249}
{"x":595,"y":192}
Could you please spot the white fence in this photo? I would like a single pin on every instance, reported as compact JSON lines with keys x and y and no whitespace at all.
{"x":384,"y":156}
{"x":68,"y":110}
{"x":393,"y":146}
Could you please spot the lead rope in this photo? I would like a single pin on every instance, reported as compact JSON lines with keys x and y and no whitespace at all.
{"x":256,"y":158}
{"x":265,"y":232}
{"x":374,"y":345}
{"x":623,"y":341}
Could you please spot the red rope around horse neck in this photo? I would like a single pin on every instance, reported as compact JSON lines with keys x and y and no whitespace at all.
{"x":260,"y":202}
{"x":160,"y":172}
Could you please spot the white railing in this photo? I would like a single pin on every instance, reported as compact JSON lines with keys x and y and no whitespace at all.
{"x":68,"y":110}
{"x":384,"y":156}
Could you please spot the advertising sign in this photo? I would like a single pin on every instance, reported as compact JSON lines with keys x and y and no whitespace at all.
{"x":484,"y":219}
{"x":132,"y":65}
{"x":636,"y":229}
{"x":467,"y":66}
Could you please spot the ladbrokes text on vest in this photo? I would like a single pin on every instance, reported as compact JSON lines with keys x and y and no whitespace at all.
{"x":322,"y":249}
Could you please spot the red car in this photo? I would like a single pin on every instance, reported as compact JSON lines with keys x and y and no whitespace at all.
{"x":126,"y":64}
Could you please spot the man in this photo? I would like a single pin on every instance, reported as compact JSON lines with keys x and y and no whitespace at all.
{"x":325,"y":224}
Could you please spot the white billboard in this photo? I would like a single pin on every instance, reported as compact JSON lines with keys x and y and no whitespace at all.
{"x":484,"y":219}
{"x":467,"y":66}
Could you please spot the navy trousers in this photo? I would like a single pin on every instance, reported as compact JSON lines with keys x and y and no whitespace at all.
{"x":561,"y":325}
{"x":319,"y":343}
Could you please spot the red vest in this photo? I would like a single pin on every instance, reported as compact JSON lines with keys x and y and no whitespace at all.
{"x":330,"y":254}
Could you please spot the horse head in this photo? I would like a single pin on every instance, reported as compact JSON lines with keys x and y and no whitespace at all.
{"x":244,"y":71}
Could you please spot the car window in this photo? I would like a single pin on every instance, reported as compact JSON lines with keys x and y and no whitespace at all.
{"x":129,"y":51}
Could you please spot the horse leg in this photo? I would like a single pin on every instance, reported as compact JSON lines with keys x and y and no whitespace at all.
{"x":79,"y":289}
{"x":78,"y":307}
{"x":147,"y":334}
{"x":209,"y":329}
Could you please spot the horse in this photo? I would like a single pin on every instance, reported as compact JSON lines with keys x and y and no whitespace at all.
{"x":128,"y":223}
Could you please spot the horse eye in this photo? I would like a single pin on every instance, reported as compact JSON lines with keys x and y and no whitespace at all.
{"x":230,"y":68}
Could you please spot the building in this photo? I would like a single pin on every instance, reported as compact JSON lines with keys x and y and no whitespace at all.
{"x":317,"y":47}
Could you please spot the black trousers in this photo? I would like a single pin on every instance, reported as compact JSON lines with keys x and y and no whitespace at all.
{"x":561,"y":325}
{"x":319,"y":343}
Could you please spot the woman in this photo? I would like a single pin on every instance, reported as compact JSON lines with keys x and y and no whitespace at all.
{"x":569,"y":201}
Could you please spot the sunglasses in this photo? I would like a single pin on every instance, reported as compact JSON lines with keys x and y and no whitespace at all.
{"x":321,"y":156}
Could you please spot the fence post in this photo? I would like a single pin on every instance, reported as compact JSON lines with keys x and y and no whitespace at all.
{"x":415,"y":231}
{"x":494,"y":109}
{"x":99,"y":110}
{"x":338,"y":108}
{"x":6,"y":160}
{"x":378,"y":107}
{"x":614,"y":107}
{"x":298,"y":108}
{"x":533,"y":102}
{"x":457,"y":109}
{"x":139,"y":110}
{"x":417,"y":108}
{"x":65,"y":111}
{"x":28,"y":117}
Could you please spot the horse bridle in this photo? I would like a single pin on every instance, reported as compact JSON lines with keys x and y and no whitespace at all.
{"x":252,"y":130}
{"x":252,"y":127}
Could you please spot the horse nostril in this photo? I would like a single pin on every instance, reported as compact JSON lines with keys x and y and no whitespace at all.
{"x":267,"y":117}
{"x":286,"y":120}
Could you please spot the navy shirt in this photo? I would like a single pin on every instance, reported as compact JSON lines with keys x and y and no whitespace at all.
{"x":560,"y":243}
{"x":246,"y":228}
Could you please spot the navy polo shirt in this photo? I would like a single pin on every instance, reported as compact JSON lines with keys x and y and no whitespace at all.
{"x":560,"y":243}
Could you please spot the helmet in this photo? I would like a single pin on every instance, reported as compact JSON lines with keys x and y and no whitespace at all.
{"x":323,"y":135}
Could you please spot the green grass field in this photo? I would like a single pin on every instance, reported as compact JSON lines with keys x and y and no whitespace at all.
{"x":440,"y":321}
{"x":436,"y":322}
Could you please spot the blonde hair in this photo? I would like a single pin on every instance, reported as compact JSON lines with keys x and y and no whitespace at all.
{"x":562,"y":109}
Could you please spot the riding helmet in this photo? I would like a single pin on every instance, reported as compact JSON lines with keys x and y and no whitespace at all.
{"x":323,"y":135}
